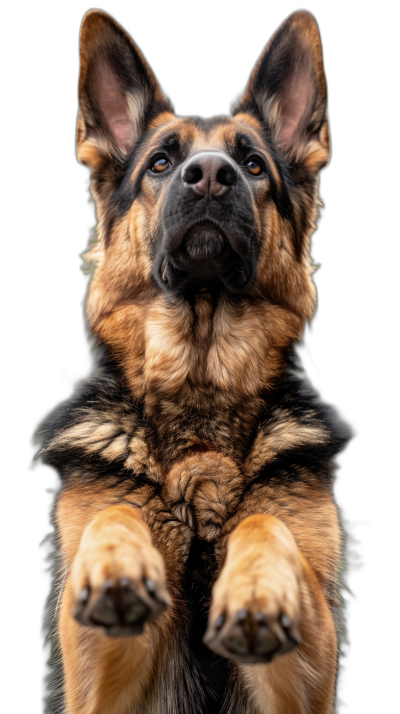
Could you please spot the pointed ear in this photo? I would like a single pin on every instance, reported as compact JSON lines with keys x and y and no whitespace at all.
{"x":118,"y":92}
{"x":287,"y":91}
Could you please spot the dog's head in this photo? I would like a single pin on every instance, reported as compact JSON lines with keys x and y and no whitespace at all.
{"x":185,"y":205}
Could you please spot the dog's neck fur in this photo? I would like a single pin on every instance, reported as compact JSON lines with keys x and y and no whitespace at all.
{"x":205,"y":351}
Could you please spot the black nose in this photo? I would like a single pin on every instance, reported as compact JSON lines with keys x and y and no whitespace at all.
{"x":209,"y":173}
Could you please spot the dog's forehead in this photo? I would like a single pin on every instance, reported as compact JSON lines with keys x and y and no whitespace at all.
{"x":198,"y":133}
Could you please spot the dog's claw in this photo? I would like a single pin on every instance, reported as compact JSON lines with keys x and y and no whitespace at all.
{"x":84,"y":595}
{"x":219,"y":622}
{"x":124,"y":582}
{"x":150,"y":585}
{"x":241,"y":615}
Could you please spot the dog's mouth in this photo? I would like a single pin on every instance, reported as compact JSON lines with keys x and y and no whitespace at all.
{"x":204,"y":241}
{"x":205,"y":257}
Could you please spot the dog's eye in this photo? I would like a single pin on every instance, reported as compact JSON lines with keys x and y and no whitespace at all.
{"x":160,"y":165}
{"x":254,"y":166}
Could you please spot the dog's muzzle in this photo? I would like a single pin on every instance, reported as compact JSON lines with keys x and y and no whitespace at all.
{"x":208,"y":227}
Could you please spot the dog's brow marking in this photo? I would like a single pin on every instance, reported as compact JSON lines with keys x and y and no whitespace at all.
{"x":248,"y":119}
{"x":170,"y":144}
{"x":161,"y":120}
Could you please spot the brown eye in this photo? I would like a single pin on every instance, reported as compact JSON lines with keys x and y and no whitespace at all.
{"x":160,"y":165}
{"x":254,"y":167}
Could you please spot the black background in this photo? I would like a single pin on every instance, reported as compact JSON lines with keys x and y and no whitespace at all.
{"x":202,"y":55}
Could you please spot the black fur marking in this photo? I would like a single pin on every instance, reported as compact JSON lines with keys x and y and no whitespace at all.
{"x":282,"y":198}
{"x":244,"y":146}
{"x":126,"y":192}
{"x":200,"y":575}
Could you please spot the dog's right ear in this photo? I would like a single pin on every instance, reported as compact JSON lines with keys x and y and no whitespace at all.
{"x":118,"y":92}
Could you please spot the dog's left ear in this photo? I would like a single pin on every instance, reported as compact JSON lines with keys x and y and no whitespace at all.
{"x":287,"y":91}
{"x":118,"y":92}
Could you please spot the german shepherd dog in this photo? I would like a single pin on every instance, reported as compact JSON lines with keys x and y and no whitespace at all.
{"x":198,"y":546}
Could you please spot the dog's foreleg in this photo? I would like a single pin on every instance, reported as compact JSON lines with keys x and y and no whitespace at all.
{"x":268,"y":609}
{"x":115,"y":583}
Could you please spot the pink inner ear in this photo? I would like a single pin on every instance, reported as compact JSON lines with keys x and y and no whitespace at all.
{"x":113,"y":106}
{"x":295,"y":109}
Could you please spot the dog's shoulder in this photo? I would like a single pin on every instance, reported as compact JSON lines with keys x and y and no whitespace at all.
{"x":298,"y":431}
{"x":100,"y":428}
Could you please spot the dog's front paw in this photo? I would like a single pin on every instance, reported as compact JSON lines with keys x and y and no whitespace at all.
{"x":251,"y":631}
{"x":118,"y":577}
{"x":255,"y":608}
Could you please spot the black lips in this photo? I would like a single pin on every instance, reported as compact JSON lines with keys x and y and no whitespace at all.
{"x":209,"y":232}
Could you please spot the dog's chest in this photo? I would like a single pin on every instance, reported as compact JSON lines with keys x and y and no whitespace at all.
{"x":194,"y":498}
